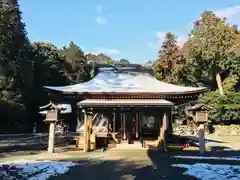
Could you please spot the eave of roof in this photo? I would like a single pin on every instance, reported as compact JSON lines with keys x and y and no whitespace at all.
{"x":124,"y":103}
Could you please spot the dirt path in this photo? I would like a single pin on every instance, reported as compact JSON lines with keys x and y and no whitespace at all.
{"x":135,"y":165}
{"x":125,"y":164}
{"x":115,"y":164}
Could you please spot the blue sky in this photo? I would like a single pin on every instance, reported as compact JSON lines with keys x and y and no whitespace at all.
{"x":132,"y":29}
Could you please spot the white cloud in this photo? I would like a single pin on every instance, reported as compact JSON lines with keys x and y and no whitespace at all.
{"x":160,"y":35}
{"x":231,"y":13}
{"x":87,"y":52}
{"x":104,"y":50}
{"x":100,"y":18}
{"x":107,"y":51}
{"x":181,"y":39}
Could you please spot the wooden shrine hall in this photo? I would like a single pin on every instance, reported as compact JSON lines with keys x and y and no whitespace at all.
{"x":125,"y":105}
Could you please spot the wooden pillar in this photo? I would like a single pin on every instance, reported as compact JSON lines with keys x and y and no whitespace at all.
{"x":51,"y":139}
{"x":201,"y":135}
{"x":137,"y":125}
{"x":124,"y":126}
{"x":108,"y":124}
{"x":114,"y":122}
{"x":87,"y":130}
{"x":170,"y":127}
{"x":74,"y":116}
{"x":79,"y":120}
{"x":93,"y":142}
{"x":85,"y":147}
{"x":162,"y":140}
{"x":90,"y":123}
{"x":93,"y":136}
{"x":140,"y":122}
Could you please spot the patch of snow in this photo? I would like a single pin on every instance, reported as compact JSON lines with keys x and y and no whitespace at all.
{"x":110,"y":81}
{"x":210,"y":172}
{"x":40,"y":134}
{"x":10,"y":144}
{"x":235,"y":158}
{"x":231,"y":149}
{"x":23,"y":134}
{"x":33,"y":170}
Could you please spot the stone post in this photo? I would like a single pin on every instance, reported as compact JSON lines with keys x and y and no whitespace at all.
{"x":51,"y":139}
{"x":201,"y":135}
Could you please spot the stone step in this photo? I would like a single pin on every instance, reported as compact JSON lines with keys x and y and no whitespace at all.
{"x":125,"y":145}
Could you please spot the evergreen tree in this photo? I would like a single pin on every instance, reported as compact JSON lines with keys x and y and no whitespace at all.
{"x":15,"y":49}
{"x":212,"y":50}
{"x":212,"y":60}
{"x":15,"y":59}
{"x":48,"y":66}
{"x":48,"y":69}
{"x":76,"y":63}
{"x":169,"y":60}
{"x":123,"y":61}
{"x":104,"y":59}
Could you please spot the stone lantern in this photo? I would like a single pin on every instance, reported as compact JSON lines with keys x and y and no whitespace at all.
{"x":52,"y":117}
{"x":199,"y":114}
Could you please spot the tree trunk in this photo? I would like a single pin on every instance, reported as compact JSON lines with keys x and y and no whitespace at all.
{"x":219,"y":84}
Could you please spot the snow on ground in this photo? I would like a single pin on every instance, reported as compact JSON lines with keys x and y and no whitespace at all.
{"x":23,"y":134}
{"x":210,"y":143}
{"x":210,"y":172}
{"x":236,"y":158}
{"x":33,"y":170}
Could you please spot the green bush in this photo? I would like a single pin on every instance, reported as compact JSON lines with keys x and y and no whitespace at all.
{"x":224,"y":109}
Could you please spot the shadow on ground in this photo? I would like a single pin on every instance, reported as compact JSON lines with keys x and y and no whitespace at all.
{"x":29,"y":144}
{"x":152,"y":165}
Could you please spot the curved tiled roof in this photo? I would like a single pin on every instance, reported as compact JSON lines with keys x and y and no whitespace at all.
{"x":125,"y":82}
